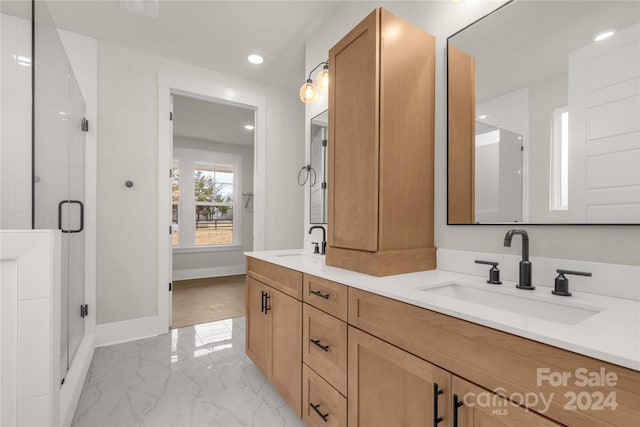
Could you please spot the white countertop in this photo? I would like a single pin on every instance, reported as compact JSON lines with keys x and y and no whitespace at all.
{"x":612,"y":334}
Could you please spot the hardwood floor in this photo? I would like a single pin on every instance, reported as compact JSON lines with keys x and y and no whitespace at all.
{"x":206,"y":300}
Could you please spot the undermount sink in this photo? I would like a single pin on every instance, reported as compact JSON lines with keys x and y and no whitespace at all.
{"x":559,"y":312}
{"x":305,"y":257}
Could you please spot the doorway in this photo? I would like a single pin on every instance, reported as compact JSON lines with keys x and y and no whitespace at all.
{"x":212,"y":208}
{"x":170,"y":86}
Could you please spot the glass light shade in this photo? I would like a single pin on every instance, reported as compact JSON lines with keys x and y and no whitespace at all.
{"x":323,"y":79}
{"x":308,"y":92}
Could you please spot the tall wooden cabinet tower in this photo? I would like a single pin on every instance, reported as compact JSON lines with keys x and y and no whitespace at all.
{"x":381,"y":118}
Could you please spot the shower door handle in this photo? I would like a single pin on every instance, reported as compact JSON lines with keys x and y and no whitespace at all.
{"x":78,"y":202}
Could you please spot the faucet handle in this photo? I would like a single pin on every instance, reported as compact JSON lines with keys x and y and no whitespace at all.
{"x":562,"y":283}
{"x":494,"y":273}
{"x":316,"y":249}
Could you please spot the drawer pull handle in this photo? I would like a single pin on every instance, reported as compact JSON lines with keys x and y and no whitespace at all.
{"x":320,"y":294}
{"x":262,"y":306}
{"x":456,"y":404}
{"x":320,"y":414}
{"x":317,"y":342}
{"x":436,"y":392}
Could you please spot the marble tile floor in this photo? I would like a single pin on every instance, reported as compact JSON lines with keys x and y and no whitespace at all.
{"x":193,"y":376}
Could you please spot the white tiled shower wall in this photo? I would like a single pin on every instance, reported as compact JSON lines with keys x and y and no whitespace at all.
{"x":15,"y":119}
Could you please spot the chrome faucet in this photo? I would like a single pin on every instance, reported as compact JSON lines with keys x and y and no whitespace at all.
{"x":323,"y":245}
{"x":525,"y":265}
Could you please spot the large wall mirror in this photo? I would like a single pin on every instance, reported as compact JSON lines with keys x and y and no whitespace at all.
{"x":317,"y":180}
{"x":544,"y":115}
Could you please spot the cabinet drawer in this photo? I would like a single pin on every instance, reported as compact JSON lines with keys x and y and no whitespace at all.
{"x":281,"y":278}
{"x":324,"y":346}
{"x":326,"y":295}
{"x":330,"y":406}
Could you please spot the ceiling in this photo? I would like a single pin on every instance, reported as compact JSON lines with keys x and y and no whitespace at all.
{"x":209,"y":121}
{"x":528,"y":41}
{"x":218,"y":35}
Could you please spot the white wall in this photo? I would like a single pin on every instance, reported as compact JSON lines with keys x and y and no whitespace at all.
{"x":15,"y":119}
{"x":127,"y":285}
{"x":219,"y":261}
{"x":590,"y":243}
{"x":545,"y":96}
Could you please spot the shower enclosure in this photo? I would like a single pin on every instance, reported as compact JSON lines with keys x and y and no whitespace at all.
{"x":58,"y":181}
{"x":498,"y":175}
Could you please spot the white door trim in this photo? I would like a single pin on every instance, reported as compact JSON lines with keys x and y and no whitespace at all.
{"x":171,"y":84}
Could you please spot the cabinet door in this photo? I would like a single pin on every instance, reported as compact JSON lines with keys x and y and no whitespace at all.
{"x":480,"y":407}
{"x":354,"y":138}
{"x":258,"y":337}
{"x":286,"y":314}
{"x":390,"y":387}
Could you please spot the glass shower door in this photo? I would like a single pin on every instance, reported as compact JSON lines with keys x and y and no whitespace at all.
{"x":59,"y":169}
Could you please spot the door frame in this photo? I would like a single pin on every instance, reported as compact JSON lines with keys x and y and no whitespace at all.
{"x":169,"y":84}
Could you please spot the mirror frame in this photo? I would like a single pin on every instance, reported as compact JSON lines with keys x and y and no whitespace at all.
{"x":448,"y":154}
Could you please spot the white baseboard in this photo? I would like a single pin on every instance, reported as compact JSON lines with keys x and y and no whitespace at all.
{"x":74,"y":380}
{"x":128,"y":330}
{"x":200,"y":273}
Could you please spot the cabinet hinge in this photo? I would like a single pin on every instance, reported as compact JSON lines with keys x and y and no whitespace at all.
{"x":85,"y":125}
{"x":84,"y":310}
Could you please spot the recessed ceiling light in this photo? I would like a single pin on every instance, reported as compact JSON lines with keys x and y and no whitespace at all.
{"x":249,"y":127}
{"x":603,"y":35}
{"x":255,"y":59}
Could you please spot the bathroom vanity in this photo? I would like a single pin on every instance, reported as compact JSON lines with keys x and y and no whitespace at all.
{"x":345,"y":348}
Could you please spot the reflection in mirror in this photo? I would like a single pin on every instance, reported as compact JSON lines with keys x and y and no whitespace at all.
{"x":531,"y":76}
{"x":318,"y":183}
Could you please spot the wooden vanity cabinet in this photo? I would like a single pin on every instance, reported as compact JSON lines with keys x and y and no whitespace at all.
{"x":391,"y":387}
{"x":381,"y":147}
{"x":274,"y":328}
{"x":501,"y":362}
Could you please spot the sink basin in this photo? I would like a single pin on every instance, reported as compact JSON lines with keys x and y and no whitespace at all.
{"x":303,"y":257}
{"x":558,"y":312}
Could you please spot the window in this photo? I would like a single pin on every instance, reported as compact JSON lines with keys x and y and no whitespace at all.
{"x":207,"y":218}
{"x":559,"y":194}
{"x":213,"y":185}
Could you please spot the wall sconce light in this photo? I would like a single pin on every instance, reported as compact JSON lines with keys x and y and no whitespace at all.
{"x":308,"y":91}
